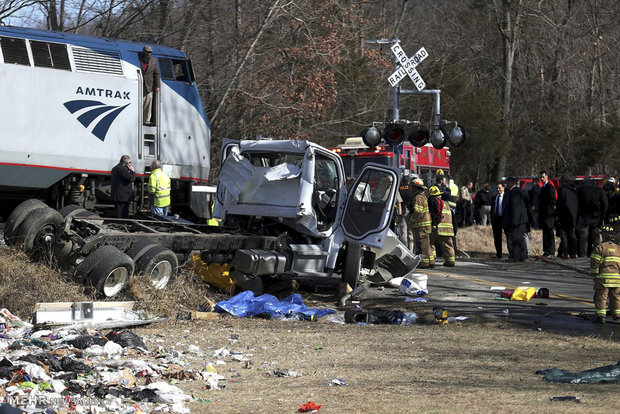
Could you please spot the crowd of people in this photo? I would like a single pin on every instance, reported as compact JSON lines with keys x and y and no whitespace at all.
{"x":567,"y":209}
{"x":570,"y":210}
{"x":579,"y":214}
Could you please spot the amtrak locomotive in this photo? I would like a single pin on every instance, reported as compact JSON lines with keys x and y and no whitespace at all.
{"x":72,"y":105}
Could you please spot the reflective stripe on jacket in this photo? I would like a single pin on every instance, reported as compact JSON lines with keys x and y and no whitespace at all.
{"x":159,"y":186}
{"x":605,"y":264}
{"x":444,"y":228}
{"x":454,"y":193}
{"x":420,"y":216}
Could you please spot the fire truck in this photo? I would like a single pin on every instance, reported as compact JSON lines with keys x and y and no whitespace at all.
{"x":418,"y":161}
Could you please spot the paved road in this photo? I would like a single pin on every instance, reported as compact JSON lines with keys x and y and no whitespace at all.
{"x":466,"y":289}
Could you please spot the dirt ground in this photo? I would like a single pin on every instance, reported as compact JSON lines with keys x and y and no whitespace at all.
{"x":389,"y":369}
{"x":473,"y":365}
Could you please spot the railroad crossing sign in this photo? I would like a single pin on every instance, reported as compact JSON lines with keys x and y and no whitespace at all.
{"x":407,"y":66}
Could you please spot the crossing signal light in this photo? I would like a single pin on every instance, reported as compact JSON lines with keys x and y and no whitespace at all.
{"x":419,"y":136}
{"x":458,"y":135}
{"x":371,"y":136}
{"x":394,"y":134}
{"x":439,"y":138}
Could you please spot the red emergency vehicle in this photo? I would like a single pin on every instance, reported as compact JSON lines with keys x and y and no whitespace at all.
{"x":418,"y":160}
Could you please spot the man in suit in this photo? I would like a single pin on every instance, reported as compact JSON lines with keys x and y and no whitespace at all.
{"x":122,"y":186}
{"x":515,"y":220}
{"x":496,"y":221}
{"x":546,"y":214}
{"x":150,"y":81}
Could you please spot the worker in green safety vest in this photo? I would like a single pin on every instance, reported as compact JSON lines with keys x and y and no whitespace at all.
{"x":159,"y":189}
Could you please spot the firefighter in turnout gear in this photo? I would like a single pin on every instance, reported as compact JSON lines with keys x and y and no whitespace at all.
{"x":605,"y":270}
{"x":420,"y":224}
{"x":442,"y":230}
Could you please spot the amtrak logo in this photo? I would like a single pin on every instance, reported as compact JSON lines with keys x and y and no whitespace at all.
{"x":96,"y":109}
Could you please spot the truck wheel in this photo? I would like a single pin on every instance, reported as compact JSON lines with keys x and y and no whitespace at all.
{"x":352,"y":264}
{"x":68,"y":209}
{"x":137,"y":250}
{"x":159,"y":264}
{"x":17,"y":217}
{"x":95,"y":257}
{"x":112,"y":274}
{"x":73,"y":210}
{"x":62,"y":251}
{"x":38,"y":232}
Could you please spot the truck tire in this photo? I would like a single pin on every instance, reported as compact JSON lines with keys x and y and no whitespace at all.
{"x":352,"y":264}
{"x":38,"y":232}
{"x":17,"y":217}
{"x":95,"y":257}
{"x":159,"y":264}
{"x":111,"y":275}
{"x":137,"y":250}
{"x":68,"y":209}
{"x":73,"y":210}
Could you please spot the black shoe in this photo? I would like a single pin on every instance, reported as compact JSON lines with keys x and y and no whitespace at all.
{"x":449,"y":264}
{"x":616,"y":318}
{"x":600,"y":319}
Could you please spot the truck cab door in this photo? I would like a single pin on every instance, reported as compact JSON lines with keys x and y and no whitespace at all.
{"x":369,"y":205}
{"x":221,"y":198}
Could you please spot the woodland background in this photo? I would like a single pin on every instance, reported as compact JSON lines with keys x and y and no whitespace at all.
{"x":536,"y":82}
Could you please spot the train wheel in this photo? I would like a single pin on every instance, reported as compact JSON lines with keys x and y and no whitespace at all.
{"x":17,"y":217}
{"x":160,"y":265}
{"x":38,"y":232}
{"x":352,"y":264}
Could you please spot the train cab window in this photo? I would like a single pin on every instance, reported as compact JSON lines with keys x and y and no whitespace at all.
{"x":14,"y":51}
{"x":50,"y":55}
{"x":175,"y":69}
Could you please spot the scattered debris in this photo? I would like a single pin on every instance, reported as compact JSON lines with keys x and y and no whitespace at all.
{"x":523,"y":293}
{"x":309,"y":407}
{"x":565,"y":398}
{"x":600,"y":375}
{"x":358,"y":315}
{"x":284,"y":373}
{"x":414,"y":285}
{"x":338,"y":382}
{"x":82,"y":370}
{"x":292,"y":307}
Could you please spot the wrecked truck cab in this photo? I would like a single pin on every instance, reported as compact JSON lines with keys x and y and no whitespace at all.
{"x":298,"y":190}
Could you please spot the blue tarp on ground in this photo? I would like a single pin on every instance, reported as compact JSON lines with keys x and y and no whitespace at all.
{"x":246,"y":305}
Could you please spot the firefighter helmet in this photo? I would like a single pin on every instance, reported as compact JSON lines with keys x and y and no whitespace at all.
{"x":439,"y":172}
{"x":434,"y":191}
{"x":607,"y":232}
{"x":418,"y":183}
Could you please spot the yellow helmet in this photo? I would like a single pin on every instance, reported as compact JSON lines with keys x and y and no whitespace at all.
{"x":608,"y":232}
{"x":434,"y":191}
{"x":439,"y":172}
{"x":418,"y":182}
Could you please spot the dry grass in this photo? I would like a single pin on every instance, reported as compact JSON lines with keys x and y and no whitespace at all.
{"x":478,"y":241}
{"x":24,"y":284}
{"x":393,"y":369}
